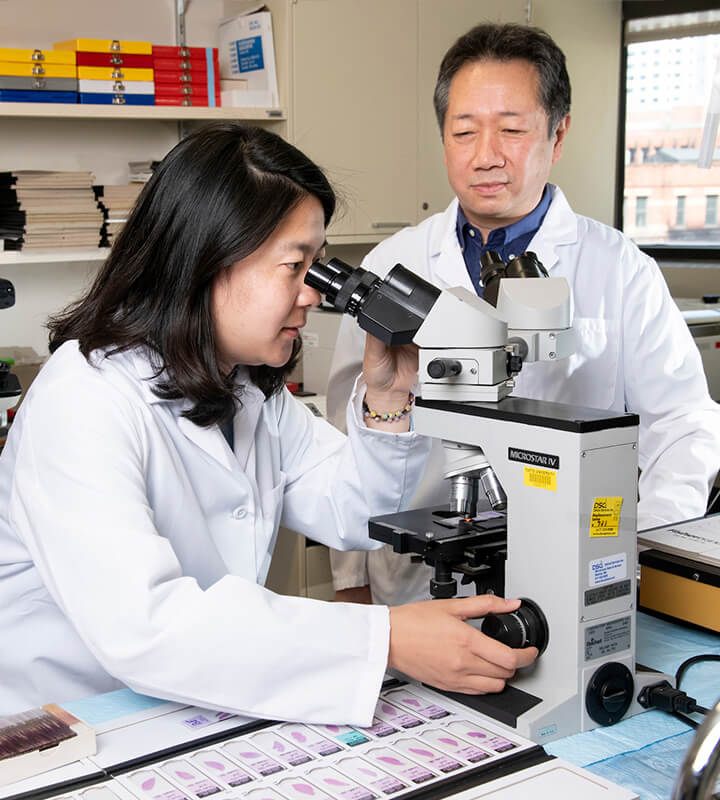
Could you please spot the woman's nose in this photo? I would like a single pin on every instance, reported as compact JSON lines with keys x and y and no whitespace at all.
{"x":309,"y":297}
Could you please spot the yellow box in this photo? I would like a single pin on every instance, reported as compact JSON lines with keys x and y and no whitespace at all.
{"x":36,"y":56}
{"x":38,"y":69}
{"x":114,"y":74}
{"x":105,"y":46}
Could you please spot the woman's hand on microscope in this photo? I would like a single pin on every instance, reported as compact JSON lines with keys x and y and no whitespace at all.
{"x":431,"y":642}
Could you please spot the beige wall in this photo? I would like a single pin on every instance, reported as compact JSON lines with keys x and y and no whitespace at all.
{"x":589,"y":33}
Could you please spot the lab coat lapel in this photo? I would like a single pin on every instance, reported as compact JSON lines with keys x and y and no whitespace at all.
{"x":246,"y":421}
{"x":447,"y":266}
{"x":559,"y":228}
{"x":211,"y":440}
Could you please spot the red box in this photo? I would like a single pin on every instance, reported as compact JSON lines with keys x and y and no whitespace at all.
{"x":185,"y":101}
{"x":181,"y":78}
{"x":129,"y":60}
{"x":184,"y":64}
{"x":163,"y":51}
{"x":178,"y":90}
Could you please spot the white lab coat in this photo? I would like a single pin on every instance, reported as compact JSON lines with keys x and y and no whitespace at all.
{"x":634,"y":352}
{"x":133,"y":543}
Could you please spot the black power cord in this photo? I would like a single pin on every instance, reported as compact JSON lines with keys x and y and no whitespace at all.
{"x":664,"y":696}
{"x":682,"y":669}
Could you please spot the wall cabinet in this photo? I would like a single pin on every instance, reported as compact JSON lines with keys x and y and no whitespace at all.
{"x":362,"y":80}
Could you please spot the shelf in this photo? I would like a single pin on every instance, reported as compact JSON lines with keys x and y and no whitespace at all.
{"x":58,"y":255}
{"x":82,"y":111}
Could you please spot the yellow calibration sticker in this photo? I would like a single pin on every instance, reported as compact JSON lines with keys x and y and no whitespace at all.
{"x":540,"y":478}
{"x":605,"y":519}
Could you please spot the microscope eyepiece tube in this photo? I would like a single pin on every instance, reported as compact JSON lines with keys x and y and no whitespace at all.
{"x":493,"y":269}
{"x":392,"y":309}
{"x":329,"y":279}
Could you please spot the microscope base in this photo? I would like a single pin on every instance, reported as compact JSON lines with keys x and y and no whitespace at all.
{"x":524,"y":712}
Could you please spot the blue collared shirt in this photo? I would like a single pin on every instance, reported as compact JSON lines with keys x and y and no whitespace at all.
{"x":509,"y":241}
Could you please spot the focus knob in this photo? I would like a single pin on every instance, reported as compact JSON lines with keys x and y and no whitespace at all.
{"x":524,"y":627}
{"x":444,"y":367}
{"x":609,"y":693}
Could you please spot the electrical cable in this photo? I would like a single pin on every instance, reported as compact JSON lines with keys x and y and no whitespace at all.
{"x":685,"y":719}
{"x":682,"y":669}
{"x":662,"y":695}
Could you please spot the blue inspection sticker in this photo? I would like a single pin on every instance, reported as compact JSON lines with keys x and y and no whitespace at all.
{"x":249,"y":54}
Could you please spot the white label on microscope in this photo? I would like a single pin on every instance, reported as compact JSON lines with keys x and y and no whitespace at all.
{"x":608,"y":569}
{"x":608,"y":638}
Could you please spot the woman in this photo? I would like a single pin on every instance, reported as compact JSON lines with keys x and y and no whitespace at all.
{"x":148,"y":469}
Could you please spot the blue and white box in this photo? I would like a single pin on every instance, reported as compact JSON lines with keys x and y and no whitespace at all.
{"x":247,"y":55}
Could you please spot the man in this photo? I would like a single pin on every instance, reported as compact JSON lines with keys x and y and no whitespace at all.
{"x":502,"y":101}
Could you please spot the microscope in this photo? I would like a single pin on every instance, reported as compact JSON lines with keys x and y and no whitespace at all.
{"x":542,"y":495}
{"x":9,"y":384}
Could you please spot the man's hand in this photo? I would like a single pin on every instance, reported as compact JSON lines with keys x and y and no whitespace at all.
{"x":431,"y":642}
{"x":356,"y":594}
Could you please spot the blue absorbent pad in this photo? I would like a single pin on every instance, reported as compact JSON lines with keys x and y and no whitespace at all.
{"x":37,"y":96}
{"x":96,"y":98}
{"x":97,"y":709}
{"x":644,"y":752}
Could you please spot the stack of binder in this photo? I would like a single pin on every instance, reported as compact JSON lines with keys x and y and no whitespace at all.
{"x":47,"y":210}
{"x":113,"y":71}
{"x":116,"y":203}
{"x":186,"y":76}
{"x":37,"y":76}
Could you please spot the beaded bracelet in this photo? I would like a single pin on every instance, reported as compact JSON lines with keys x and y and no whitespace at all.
{"x":391,"y":416}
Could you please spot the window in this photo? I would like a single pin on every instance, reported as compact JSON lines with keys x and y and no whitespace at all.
{"x":680,"y":211}
{"x":711,"y":208}
{"x":641,"y":211}
{"x":664,"y":127}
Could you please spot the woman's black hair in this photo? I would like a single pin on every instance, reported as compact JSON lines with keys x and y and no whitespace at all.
{"x":214,"y":199}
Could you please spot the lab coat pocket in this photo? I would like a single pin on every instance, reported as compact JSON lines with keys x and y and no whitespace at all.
{"x":587,"y":378}
{"x":593,"y":368}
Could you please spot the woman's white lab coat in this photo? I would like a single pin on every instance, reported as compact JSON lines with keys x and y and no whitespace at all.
{"x":634,"y":351}
{"x":133,"y":543}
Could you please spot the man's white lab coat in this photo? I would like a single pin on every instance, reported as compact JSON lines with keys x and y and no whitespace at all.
{"x":133,"y":543}
{"x":634,"y":352}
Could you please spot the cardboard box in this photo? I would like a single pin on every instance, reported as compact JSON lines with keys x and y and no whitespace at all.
{"x":247,"y":53}
{"x":26,"y":364}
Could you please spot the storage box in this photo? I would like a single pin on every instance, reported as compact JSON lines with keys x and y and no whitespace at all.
{"x":38,"y":69}
{"x":36,"y":56}
{"x":133,"y":61}
{"x":25,"y":364}
{"x":247,"y":52}
{"x":679,"y":589}
{"x":105,"y":46}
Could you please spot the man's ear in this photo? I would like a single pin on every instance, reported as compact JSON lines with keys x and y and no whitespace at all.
{"x":559,"y":136}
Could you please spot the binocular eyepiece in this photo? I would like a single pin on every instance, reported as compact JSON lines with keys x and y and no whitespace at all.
{"x":391,"y":309}
{"x":493,"y":269}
